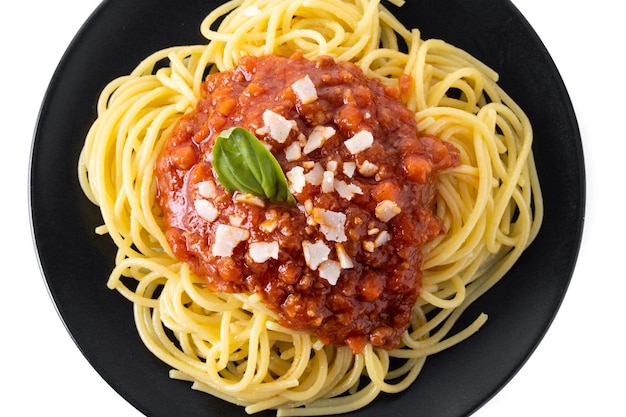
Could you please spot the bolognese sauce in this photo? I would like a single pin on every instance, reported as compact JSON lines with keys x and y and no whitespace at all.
{"x":345,"y":261}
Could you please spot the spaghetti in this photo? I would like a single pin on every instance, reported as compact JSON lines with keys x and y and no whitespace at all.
{"x":231,"y":345}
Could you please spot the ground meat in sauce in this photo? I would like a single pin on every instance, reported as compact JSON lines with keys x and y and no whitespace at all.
{"x":362,"y":215}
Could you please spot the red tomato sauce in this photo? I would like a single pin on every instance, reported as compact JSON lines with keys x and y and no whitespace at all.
{"x":345,"y":262}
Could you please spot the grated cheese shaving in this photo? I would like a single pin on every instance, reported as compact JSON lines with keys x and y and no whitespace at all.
{"x":319,"y":135}
{"x":227,"y":238}
{"x":331,"y":223}
{"x":382,"y":238}
{"x":328,"y":182}
{"x":330,"y":270}
{"x":368,"y":169}
{"x":386,"y":210}
{"x":315,"y":253}
{"x":296,"y":179}
{"x":263,"y":251}
{"x":316,"y":175}
{"x":247,"y":198}
{"x":206,"y":210}
{"x":305,"y":90}
{"x":347,"y":191}
{"x":206,"y":189}
{"x":279,"y":126}
{"x":349,"y":168}
{"x":361,"y":141}
{"x":344,"y":259}
{"x":293,"y":152}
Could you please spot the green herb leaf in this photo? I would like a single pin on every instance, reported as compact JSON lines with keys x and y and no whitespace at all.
{"x":243,"y":163}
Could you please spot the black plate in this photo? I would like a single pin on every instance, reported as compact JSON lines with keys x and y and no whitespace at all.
{"x":76,"y":263}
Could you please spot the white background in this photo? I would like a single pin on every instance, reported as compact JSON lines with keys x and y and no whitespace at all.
{"x":579,"y":367}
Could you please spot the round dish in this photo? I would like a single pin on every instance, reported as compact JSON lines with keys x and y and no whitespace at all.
{"x":76,"y":262}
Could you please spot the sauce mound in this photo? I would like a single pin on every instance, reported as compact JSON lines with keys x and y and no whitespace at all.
{"x":344,"y":262}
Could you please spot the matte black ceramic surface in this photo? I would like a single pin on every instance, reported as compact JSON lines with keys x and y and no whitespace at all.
{"x":76,"y":262}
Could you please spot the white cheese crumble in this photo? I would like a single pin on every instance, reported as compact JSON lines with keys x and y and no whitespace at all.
{"x":368,"y":169}
{"x":293,"y":152}
{"x":247,"y":198}
{"x":386,"y":210}
{"x":263,"y":251}
{"x":308,"y":206}
{"x":269,"y":225}
{"x":346,"y":190}
{"x":305,"y":90}
{"x":359,"y":142}
{"x":227,"y":238}
{"x":342,"y":255}
{"x":331,"y":223}
{"x":319,"y":135}
{"x":206,"y":210}
{"x":279,"y":126}
{"x":316,"y":175}
{"x":235,"y":220}
{"x":328,"y":182}
{"x":382,"y":238}
{"x":296,"y":179}
{"x":332,"y":166}
{"x":330,"y":271}
{"x":206,"y":189}
{"x":315,"y":253}
{"x":349,"y":168}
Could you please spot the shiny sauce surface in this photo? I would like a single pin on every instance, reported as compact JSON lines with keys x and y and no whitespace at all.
{"x":343,"y":263}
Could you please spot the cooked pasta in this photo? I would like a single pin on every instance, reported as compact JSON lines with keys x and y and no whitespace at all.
{"x":231,"y":345}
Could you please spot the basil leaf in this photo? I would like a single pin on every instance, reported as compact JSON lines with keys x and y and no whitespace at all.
{"x":243,"y":163}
